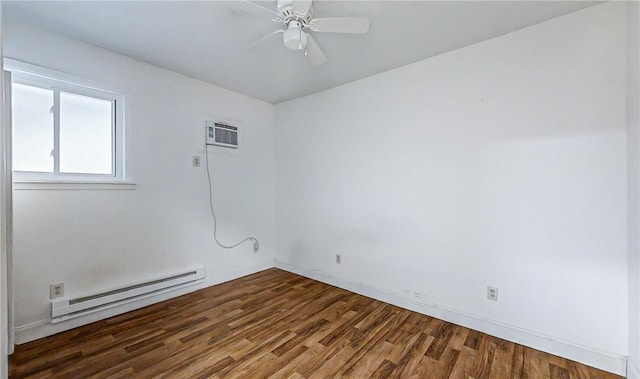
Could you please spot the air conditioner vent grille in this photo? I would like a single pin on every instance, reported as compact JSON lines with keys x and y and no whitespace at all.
{"x":220,"y":134}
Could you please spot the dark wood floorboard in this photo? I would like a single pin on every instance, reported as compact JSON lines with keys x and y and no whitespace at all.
{"x":275,"y":324}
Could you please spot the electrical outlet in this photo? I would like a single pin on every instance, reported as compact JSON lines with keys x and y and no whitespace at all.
{"x":56,"y":290}
{"x":338,"y":259}
{"x":492,"y":293}
{"x":196,"y":161}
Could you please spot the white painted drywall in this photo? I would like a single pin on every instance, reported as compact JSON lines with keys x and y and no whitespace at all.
{"x":502,"y":163}
{"x":93,"y":240}
{"x":5,"y":347}
{"x":633,"y":152}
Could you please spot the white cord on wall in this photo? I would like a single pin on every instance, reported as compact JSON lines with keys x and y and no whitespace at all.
{"x":256,"y":244}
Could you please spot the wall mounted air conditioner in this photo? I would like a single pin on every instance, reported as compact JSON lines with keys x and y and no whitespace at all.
{"x":221,"y":134}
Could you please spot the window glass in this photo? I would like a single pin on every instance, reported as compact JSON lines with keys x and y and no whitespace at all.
{"x":33,"y":140}
{"x":64,"y":130}
{"x":86,"y":144}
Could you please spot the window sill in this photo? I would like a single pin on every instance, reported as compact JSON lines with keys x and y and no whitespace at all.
{"x":71,"y":185}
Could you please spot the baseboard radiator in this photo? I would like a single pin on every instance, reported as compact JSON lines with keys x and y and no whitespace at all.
{"x":65,"y":309}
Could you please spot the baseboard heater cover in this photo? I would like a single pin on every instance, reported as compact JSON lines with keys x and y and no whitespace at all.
{"x":65,"y":309}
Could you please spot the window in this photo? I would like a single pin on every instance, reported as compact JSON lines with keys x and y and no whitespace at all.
{"x":63,"y":131}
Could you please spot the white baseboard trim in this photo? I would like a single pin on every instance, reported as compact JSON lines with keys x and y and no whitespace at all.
{"x":632,"y":370}
{"x":44,"y":328}
{"x":602,"y":360}
{"x":228,"y":276}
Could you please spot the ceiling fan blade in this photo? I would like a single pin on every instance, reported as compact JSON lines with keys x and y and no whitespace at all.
{"x":301,"y":6}
{"x":313,"y":52}
{"x":264,"y":9}
{"x":264,"y":38}
{"x":359,"y":25}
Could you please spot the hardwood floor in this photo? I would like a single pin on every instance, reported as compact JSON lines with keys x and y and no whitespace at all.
{"x":275,"y":324}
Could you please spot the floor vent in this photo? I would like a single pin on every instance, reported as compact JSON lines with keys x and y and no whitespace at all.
{"x":65,"y":309}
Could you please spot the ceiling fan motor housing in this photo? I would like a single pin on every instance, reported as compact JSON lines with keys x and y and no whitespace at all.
{"x":287,"y":13}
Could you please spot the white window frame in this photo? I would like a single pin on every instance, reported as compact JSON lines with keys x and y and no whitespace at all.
{"x":24,"y":73}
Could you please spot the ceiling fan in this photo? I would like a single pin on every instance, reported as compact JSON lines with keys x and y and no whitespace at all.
{"x":296,"y":19}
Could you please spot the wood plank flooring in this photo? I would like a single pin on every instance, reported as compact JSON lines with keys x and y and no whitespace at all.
{"x":275,"y":324}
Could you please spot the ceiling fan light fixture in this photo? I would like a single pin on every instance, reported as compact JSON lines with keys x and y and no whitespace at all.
{"x":298,"y":25}
{"x":294,"y":39}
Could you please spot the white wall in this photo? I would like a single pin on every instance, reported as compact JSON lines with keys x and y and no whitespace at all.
{"x":95,"y":240}
{"x":4,"y":266}
{"x":633,"y":151}
{"x":502,"y":163}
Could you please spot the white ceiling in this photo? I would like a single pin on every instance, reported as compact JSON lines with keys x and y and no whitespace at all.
{"x":208,"y":40}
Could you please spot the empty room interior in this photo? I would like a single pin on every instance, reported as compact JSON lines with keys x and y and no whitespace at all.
{"x":314,"y":189}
